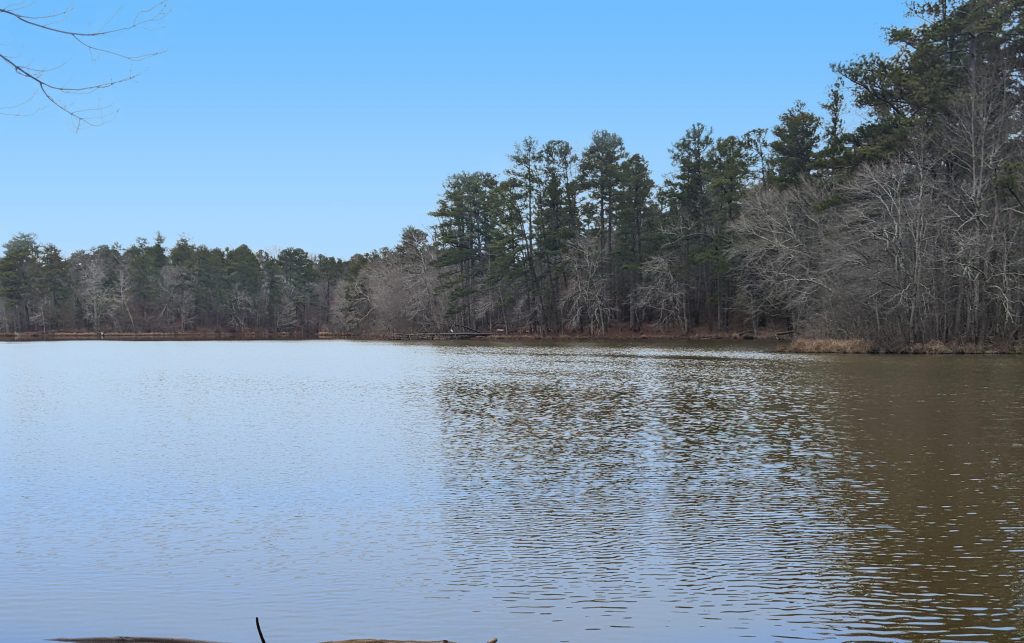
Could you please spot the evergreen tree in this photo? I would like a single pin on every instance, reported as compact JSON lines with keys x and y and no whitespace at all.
{"x":19,"y":270}
{"x":794,"y":150}
{"x":558,"y":223}
{"x":635,"y":218}
{"x":601,"y":180}
{"x":467,"y":213}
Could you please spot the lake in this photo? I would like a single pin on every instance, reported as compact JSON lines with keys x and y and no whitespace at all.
{"x":582,"y":492}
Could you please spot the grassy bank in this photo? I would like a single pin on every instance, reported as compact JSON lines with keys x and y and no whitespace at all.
{"x":933,"y":347}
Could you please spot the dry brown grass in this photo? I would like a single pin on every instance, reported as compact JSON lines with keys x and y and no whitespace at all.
{"x":933,"y":347}
{"x":936,"y":347}
{"x":808,"y":345}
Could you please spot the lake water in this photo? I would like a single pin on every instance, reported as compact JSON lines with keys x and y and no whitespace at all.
{"x":571,"y":492}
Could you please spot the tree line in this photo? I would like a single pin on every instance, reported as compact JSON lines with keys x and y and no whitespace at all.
{"x":149,"y":287}
{"x":906,"y":228}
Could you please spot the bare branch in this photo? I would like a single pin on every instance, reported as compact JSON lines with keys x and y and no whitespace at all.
{"x":58,"y":93}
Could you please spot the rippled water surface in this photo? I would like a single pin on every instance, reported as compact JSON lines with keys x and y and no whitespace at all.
{"x":571,"y":492}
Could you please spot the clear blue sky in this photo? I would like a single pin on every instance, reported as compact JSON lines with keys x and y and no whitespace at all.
{"x":332,"y":125}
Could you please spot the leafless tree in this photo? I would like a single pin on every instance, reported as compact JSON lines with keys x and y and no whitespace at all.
{"x":178,"y":286}
{"x":781,"y":244}
{"x":662,"y":293}
{"x":89,"y":276}
{"x":397,"y":290}
{"x":586,"y":303}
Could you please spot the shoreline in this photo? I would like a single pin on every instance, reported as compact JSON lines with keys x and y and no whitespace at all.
{"x":823,"y":346}
{"x":783,"y":342}
{"x":211,"y":335}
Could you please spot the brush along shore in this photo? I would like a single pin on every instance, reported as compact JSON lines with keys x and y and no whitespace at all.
{"x":933,"y":347}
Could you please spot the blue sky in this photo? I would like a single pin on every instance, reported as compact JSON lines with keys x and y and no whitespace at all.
{"x":332,"y":125}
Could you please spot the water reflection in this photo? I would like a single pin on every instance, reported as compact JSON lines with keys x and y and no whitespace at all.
{"x":933,"y":506}
{"x":837,"y":498}
{"x":575,"y":492}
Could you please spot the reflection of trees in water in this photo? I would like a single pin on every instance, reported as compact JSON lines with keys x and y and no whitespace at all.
{"x":841,"y":497}
{"x":753,"y":461}
{"x":549,"y":497}
{"x":931,"y":493}
{"x":691,"y":483}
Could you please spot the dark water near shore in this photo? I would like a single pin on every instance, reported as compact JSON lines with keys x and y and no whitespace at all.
{"x":574,"y":492}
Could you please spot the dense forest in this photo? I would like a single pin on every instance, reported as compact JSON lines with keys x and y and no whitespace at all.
{"x":907,"y":228}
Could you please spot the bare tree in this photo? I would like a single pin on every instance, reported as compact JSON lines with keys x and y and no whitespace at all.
{"x":98,"y":301}
{"x":586,"y":302}
{"x":398,"y":289}
{"x":662,"y":293}
{"x":781,"y":245}
{"x":178,"y":285}
{"x":55,"y":80}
